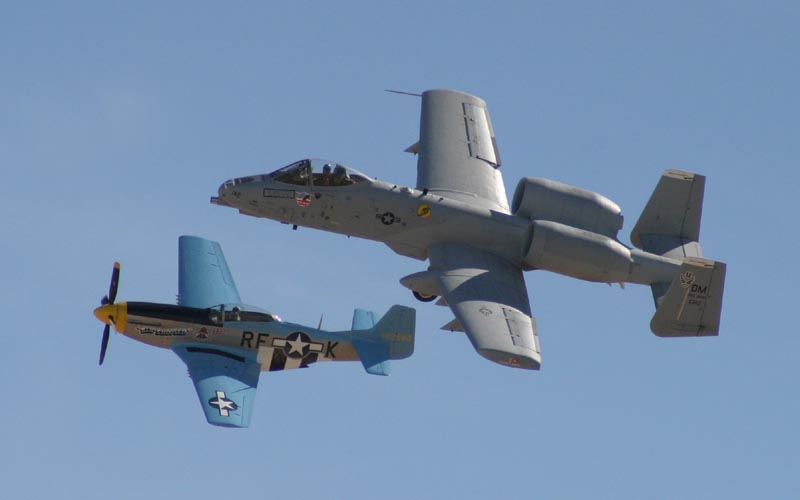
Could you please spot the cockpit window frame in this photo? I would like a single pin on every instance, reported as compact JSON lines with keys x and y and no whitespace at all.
{"x":315,"y":174}
{"x":238,"y":315}
{"x":302,"y":169}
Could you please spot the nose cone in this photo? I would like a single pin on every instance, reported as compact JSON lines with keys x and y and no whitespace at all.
{"x":223,"y":197}
{"x":113,"y":314}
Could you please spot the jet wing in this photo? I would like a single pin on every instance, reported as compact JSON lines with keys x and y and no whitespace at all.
{"x":225,"y":379}
{"x":204,"y":279}
{"x":487,"y":294}
{"x":458,"y":155}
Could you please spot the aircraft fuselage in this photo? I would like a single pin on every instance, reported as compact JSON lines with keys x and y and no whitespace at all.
{"x":411,"y":221}
{"x":280,"y":345}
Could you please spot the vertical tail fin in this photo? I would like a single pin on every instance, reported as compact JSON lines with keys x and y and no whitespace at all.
{"x":670,"y":223}
{"x":692,"y":304}
{"x":392,"y":337}
{"x":670,"y":227}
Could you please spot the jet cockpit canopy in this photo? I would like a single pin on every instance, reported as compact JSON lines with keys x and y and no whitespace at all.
{"x":320,"y":173}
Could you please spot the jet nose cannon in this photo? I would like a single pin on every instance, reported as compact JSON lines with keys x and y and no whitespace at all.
{"x":223,"y":193}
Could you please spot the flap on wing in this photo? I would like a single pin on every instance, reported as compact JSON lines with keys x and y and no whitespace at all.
{"x":225,"y":380}
{"x":490,"y":301}
{"x":204,"y":279}
{"x":458,"y":155}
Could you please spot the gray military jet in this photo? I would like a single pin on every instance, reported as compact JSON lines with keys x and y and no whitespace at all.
{"x":459,"y":219}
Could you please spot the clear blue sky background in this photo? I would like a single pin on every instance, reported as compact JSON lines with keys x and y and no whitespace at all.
{"x":118,"y":120}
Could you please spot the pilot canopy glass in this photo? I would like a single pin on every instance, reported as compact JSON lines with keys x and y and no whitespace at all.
{"x":319,"y":173}
{"x":222,"y":314}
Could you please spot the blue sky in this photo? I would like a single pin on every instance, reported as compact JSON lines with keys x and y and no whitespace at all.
{"x":119,"y":120}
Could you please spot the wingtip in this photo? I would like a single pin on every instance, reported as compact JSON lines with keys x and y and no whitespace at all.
{"x":525,"y":362}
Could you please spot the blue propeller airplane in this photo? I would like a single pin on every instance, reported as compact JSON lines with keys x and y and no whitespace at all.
{"x":227,"y":344}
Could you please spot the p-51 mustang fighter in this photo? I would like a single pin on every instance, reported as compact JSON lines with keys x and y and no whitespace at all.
{"x":459,"y":219}
{"x":226,"y":344}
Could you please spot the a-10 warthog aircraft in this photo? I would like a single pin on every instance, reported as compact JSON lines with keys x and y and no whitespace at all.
{"x":459,"y":219}
{"x":227,"y":344}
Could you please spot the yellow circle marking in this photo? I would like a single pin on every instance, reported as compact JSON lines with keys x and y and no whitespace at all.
{"x":424,"y":211}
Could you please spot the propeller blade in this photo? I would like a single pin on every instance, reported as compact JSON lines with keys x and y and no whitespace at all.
{"x":112,"y":289}
{"x":104,"y":344}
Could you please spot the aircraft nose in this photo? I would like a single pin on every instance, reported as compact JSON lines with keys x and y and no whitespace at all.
{"x":113,"y":314}
{"x":224,"y":188}
{"x":223,"y":193}
{"x":103,"y":313}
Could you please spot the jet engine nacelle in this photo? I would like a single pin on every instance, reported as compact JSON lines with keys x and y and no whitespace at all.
{"x":542,"y":199}
{"x":576,"y":252}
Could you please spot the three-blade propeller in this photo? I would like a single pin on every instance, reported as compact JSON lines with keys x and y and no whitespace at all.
{"x":109,"y":300}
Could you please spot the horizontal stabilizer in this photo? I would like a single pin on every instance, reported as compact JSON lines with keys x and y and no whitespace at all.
{"x":693,"y":303}
{"x":374,"y":357}
{"x":364,"y":320}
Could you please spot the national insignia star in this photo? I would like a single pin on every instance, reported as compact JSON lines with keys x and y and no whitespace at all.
{"x":223,"y":404}
{"x":297,"y":345}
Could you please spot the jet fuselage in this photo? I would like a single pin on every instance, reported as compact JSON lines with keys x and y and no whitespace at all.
{"x":409,"y":221}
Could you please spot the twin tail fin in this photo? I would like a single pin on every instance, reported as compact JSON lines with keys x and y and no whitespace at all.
{"x":669,"y":226}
